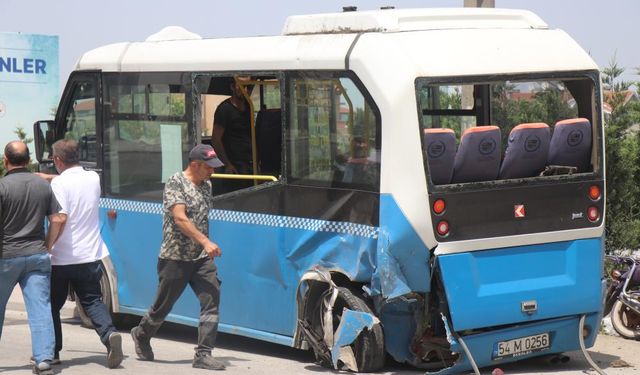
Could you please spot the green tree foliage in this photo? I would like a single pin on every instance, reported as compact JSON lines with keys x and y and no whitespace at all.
{"x":622,"y":142}
{"x":22,"y":135}
{"x":547,"y":105}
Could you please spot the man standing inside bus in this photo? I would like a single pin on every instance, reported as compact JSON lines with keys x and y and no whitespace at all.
{"x":25,"y":201}
{"x":186,"y":258}
{"x":232,"y":136}
{"x":77,"y":256}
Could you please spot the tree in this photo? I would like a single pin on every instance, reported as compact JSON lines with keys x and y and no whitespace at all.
{"x":546,"y":105}
{"x":22,"y":135}
{"x":623,"y":164}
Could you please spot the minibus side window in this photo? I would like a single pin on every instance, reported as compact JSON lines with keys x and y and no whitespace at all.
{"x":80,"y":120}
{"x":249,"y":134}
{"x":333,"y":137}
{"x":146,"y":133}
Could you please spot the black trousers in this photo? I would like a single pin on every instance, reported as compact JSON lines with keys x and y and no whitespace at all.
{"x":85,"y":280}
{"x":174,"y":276}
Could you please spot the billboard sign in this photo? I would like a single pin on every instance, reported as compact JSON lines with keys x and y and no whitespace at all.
{"x":29,"y":82}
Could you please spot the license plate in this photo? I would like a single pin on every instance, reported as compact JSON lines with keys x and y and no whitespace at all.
{"x":521,"y":346}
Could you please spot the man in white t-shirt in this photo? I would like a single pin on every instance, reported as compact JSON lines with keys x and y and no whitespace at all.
{"x":76,"y":256}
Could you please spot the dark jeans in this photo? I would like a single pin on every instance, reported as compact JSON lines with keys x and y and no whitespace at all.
{"x":173,"y":277}
{"x":85,"y":280}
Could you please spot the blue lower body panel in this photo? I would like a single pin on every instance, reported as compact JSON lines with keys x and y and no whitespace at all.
{"x":563,"y":334}
{"x":502,"y":300}
{"x":264,"y":257}
{"x":513,"y":285}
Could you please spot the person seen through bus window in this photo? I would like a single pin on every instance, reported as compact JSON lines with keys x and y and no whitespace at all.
{"x":76,"y":258}
{"x":186,"y":258}
{"x":232,"y":135}
{"x":358,"y":165}
{"x":25,"y":201}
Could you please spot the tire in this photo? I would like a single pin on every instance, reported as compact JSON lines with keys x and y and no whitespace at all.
{"x":120,"y":321}
{"x":625,"y":321}
{"x":611,"y":297}
{"x":368,"y":348}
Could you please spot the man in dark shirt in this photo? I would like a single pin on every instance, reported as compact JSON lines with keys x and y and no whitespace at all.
{"x":25,"y":201}
{"x":232,"y":136}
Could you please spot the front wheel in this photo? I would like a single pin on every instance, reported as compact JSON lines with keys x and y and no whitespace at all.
{"x":625,"y":321}
{"x":368,"y":348}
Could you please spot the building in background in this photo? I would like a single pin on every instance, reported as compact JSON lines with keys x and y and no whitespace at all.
{"x":29,"y":81}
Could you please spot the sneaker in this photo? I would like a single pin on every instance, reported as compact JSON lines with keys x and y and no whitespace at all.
{"x":114,"y":352}
{"x":206,"y":361}
{"x":143,"y":347}
{"x":43,"y":368}
{"x":55,"y":361}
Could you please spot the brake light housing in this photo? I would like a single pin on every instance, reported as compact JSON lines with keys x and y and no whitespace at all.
{"x":593,"y":214}
{"x":595,"y":193}
{"x":439,"y":206}
{"x":442,"y":228}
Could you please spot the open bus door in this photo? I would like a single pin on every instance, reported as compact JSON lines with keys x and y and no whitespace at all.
{"x":77,"y":118}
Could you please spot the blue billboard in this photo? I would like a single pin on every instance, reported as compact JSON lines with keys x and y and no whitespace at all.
{"x":29,"y":82}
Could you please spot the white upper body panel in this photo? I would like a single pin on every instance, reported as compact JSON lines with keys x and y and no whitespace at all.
{"x":446,"y":42}
{"x":397,"y":20}
{"x":388,"y":50}
{"x":258,"y":53}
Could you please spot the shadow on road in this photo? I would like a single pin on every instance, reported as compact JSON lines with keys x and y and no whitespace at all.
{"x":189,"y":335}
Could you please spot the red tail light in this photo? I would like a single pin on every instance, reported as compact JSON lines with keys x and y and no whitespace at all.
{"x":443,"y":228}
{"x":439,"y":206}
{"x":594,"y":192}
{"x":593,"y":214}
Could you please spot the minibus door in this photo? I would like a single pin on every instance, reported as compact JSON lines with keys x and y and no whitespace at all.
{"x":79,"y":118}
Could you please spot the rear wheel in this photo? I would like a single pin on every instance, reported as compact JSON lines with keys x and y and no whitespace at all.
{"x":625,"y":321}
{"x":368,"y":348}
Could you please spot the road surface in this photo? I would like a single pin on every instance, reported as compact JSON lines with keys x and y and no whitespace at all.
{"x":84,"y":354}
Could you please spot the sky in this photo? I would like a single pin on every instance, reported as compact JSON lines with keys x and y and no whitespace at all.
{"x":603,"y":28}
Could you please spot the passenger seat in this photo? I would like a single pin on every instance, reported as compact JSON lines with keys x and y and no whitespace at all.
{"x":527,"y":150}
{"x":571,"y":144}
{"x":478,"y":157}
{"x":440,"y":146}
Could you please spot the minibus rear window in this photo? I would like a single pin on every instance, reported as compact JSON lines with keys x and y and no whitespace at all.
{"x":489,"y":130}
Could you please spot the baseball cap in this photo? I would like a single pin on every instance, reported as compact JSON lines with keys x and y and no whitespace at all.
{"x":207,"y":154}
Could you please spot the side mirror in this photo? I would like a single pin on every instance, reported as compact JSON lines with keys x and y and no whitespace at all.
{"x":43,"y":139}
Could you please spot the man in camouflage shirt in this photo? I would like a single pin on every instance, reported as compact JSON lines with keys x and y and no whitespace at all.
{"x":186,"y":257}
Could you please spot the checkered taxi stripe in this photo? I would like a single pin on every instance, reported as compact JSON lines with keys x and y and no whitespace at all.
{"x":315,"y":225}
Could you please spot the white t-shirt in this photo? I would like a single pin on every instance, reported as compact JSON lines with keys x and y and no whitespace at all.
{"x":78,"y":192}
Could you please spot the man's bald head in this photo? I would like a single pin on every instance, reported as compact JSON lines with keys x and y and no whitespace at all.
{"x":17,"y":153}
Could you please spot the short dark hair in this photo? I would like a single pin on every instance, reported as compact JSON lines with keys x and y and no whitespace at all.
{"x":67,"y":151}
{"x":17,"y":153}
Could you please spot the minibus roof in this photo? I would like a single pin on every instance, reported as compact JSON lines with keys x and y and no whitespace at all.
{"x":397,"y":20}
{"x":479,"y":41}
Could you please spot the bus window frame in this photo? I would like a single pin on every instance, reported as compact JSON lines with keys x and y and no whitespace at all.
{"x":595,"y":118}
{"x":329,"y":74}
{"x":60,"y":128}
{"x":109,"y":79}
{"x":197,"y":114}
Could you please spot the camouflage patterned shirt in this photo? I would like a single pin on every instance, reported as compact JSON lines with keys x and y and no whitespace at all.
{"x":198,"y":200}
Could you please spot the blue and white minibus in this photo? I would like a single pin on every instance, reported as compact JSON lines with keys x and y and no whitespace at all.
{"x":427,"y":183}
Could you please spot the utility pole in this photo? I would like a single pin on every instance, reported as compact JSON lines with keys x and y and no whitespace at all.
{"x":479,"y":3}
{"x":467,"y":91}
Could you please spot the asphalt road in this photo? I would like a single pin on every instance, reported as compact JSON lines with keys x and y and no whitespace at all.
{"x":84,"y":354}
